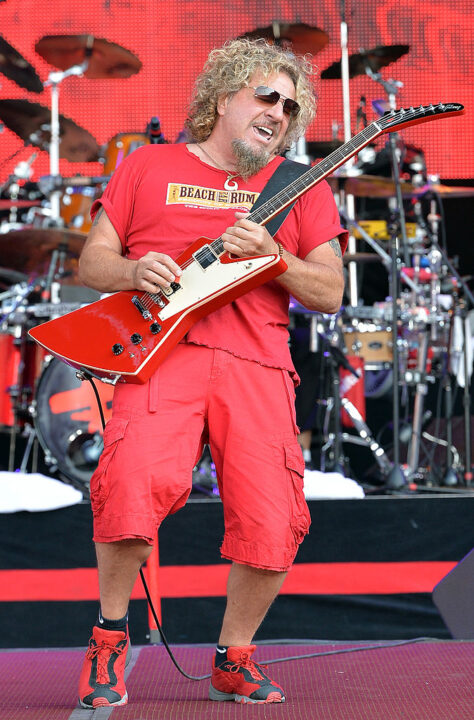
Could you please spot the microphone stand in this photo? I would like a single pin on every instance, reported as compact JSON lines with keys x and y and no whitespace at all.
{"x":396,"y":479}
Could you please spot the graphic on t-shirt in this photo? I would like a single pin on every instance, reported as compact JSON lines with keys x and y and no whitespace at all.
{"x":198,"y":196}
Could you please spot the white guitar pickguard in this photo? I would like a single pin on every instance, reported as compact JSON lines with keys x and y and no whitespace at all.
{"x":198,"y":285}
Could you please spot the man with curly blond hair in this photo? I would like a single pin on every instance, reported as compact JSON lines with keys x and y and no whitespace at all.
{"x":230,"y":382}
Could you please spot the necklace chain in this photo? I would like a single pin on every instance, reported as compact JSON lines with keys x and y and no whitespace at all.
{"x":228,"y":185}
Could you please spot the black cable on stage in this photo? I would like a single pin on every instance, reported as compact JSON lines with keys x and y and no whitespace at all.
{"x":165,"y":642}
{"x":266,"y":662}
{"x":97,"y":397}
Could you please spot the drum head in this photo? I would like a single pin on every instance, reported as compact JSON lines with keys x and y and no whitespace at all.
{"x":68,"y":421}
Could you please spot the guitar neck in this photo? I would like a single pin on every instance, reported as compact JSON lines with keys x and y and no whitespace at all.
{"x":315,"y":174}
{"x":390,"y":122}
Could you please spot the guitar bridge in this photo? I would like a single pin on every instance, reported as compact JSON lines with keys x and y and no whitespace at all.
{"x":144,"y":312}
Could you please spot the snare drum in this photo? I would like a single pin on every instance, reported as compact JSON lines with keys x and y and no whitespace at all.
{"x":119,"y":147}
{"x":67,"y":421}
{"x":371,"y":342}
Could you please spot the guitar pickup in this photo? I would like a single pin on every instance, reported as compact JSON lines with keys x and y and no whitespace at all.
{"x":205,"y":257}
{"x":144,"y":312}
{"x":158,"y":300}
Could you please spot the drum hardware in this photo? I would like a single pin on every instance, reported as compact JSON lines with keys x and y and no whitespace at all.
{"x":365,"y":438}
{"x":330,"y":337}
{"x":461,"y":308}
{"x":9,"y":204}
{"x":22,"y":171}
{"x":48,"y":183}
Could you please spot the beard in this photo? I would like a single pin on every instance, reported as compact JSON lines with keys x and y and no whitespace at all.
{"x":249,"y":161}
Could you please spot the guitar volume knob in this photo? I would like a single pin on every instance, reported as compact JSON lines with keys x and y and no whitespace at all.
{"x":136,"y":338}
{"x":117,"y":349}
{"x":155,"y":328}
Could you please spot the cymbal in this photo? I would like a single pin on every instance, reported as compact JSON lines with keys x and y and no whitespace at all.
{"x":298,"y":37}
{"x":10,"y":277}
{"x":375,"y":59}
{"x":30,"y":250}
{"x":370,"y":186}
{"x":323,"y":148}
{"x":107,"y":59}
{"x":361,"y":257}
{"x":8,"y":204}
{"x":445,"y":191}
{"x":16,"y":68}
{"x":32,"y":123}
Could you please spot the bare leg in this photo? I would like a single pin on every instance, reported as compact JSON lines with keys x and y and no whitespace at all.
{"x":250,"y":592}
{"x":118,"y":564}
{"x":304,"y":439}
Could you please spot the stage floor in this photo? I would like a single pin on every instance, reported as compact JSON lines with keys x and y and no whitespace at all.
{"x":425,"y":680}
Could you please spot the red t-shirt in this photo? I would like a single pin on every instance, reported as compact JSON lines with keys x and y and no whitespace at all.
{"x":163,"y":197}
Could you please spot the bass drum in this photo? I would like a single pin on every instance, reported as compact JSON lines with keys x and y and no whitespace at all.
{"x":68,"y":424}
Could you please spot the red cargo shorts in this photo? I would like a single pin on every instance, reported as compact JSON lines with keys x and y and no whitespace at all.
{"x":245,"y":411}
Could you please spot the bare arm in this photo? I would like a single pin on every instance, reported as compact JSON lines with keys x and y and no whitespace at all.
{"x":317,"y":282}
{"x":103,"y":267}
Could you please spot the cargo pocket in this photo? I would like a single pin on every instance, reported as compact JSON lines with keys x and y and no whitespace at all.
{"x":300,"y":519}
{"x":100,"y":482}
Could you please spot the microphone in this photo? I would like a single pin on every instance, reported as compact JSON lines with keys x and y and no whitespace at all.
{"x":153,"y":130}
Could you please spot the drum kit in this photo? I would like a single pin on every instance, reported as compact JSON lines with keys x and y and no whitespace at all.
{"x":406,"y":341}
{"x":43,"y":227}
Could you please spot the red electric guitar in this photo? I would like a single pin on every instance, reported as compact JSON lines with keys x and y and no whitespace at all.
{"x":126,"y":336}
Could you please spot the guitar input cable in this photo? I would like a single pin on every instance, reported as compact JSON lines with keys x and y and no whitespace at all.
{"x":85,"y":376}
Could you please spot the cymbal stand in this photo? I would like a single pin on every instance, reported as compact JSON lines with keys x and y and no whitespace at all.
{"x":396,"y":479}
{"x":55,"y":78}
{"x":463,"y":309}
{"x":349,"y":200}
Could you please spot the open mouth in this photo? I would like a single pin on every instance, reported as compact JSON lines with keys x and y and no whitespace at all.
{"x":263,"y":132}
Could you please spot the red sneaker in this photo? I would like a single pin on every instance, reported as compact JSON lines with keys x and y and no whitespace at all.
{"x":239,"y":678}
{"x":102,"y":678}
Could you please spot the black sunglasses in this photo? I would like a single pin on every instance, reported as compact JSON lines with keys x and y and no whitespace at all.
{"x":272,"y":97}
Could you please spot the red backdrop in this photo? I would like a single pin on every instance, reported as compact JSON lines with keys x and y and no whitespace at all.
{"x":172,"y":40}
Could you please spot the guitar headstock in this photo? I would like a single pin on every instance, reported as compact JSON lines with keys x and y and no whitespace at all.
{"x":397,"y":119}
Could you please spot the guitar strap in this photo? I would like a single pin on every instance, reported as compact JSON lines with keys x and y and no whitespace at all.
{"x":286,"y":172}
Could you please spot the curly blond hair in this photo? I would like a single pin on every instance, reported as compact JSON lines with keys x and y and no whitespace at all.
{"x":229,"y":68}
